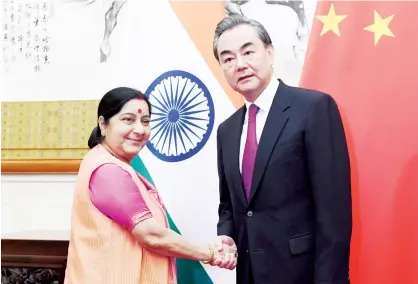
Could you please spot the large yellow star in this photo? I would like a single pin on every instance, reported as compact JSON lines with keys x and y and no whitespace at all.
{"x":331,"y":21}
{"x":380,"y":27}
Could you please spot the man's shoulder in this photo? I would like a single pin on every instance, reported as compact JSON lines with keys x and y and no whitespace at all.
{"x":306,"y":95}
{"x":303,"y":99}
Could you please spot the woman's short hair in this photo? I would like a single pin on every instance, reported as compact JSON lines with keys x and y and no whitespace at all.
{"x":111,"y":104}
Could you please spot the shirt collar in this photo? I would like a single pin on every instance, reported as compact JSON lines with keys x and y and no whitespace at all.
{"x":265,"y":100}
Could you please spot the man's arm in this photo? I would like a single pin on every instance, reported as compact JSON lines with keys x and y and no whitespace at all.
{"x":224,"y":240}
{"x":226,"y":219}
{"x":329,"y":170}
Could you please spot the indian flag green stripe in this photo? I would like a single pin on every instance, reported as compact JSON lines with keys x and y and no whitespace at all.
{"x":189,"y":272}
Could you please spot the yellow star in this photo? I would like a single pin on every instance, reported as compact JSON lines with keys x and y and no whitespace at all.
{"x":380,"y":27}
{"x":331,"y":21}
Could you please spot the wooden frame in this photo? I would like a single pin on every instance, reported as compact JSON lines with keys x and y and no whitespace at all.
{"x":41,"y":166}
{"x":69,"y":166}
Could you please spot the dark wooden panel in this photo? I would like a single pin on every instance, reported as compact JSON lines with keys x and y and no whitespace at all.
{"x":17,"y":275}
{"x":33,"y":261}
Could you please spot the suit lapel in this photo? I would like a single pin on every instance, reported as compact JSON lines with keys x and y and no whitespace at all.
{"x":234,"y":150}
{"x":276,"y":120}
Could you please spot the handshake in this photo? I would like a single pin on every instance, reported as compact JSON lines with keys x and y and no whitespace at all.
{"x":225,"y":253}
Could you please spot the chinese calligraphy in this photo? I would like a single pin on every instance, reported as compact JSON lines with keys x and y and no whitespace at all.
{"x":26,"y":37}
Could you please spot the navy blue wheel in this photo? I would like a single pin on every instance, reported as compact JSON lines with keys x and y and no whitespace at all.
{"x":182,"y":116}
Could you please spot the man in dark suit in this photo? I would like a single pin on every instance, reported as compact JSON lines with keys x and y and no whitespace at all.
{"x":284,"y":171}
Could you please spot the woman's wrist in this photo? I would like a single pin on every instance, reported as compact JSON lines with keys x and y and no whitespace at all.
{"x":210,"y":253}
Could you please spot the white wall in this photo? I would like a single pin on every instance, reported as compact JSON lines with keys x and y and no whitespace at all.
{"x":36,"y":206}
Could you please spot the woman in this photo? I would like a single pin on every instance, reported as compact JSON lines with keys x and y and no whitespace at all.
{"x":120,"y":233}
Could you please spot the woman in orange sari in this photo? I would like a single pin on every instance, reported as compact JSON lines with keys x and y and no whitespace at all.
{"x":119,"y":228}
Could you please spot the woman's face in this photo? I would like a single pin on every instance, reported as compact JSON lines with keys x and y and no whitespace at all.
{"x":127,"y":131}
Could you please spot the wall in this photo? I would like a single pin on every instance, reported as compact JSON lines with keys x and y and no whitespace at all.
{"x":36,"y":206}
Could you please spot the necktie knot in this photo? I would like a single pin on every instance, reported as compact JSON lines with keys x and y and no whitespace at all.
{"x":252,"y":112}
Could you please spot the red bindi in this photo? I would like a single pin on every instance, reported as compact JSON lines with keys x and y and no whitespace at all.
{"x":139,"y":110}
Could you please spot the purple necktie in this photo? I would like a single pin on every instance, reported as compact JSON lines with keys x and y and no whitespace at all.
{"x":250,"y":150}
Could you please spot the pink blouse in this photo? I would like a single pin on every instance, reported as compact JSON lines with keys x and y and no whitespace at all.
{"x":114,"y":193}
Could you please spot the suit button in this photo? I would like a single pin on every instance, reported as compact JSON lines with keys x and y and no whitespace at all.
{"x":250,"y":213}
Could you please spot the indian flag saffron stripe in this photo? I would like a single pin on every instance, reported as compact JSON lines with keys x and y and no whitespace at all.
{"x":199,"y":19}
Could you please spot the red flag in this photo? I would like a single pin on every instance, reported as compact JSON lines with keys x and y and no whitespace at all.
{"x":365,"y":55}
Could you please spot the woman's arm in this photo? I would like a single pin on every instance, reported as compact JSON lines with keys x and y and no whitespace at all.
{"x":161,"y":240}
{"x":114,"y":193}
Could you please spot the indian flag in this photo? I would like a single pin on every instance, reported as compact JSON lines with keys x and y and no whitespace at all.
{"x":165,"y":50}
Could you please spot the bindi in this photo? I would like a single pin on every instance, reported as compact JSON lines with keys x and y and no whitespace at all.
{"x":139,"y":110}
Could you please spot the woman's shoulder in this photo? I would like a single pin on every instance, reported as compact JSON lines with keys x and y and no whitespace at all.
{"x":111,"y":168}
{"x":110,"y":171}
{"x":94,"y":158}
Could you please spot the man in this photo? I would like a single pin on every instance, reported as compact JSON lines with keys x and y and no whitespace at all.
{"x":284,"y":171}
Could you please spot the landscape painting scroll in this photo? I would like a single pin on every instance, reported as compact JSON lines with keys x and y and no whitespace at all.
{"x":51,"y":84}
{"x":41,"y":130}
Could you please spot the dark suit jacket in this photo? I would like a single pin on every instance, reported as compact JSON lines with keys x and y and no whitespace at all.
{"x":296,"y":226}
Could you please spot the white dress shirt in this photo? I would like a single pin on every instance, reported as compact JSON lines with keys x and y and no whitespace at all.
{"x":264,"y":102}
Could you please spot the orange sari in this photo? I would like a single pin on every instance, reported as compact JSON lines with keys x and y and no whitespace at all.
{"x":100,"y":250}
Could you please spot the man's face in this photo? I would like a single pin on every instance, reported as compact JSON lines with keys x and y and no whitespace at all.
{"x":245,"y":60}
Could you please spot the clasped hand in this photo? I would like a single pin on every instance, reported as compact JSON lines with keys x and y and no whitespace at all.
{"x":225,"y":255}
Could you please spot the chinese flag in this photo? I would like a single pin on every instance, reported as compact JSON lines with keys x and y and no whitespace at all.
{"x":365,"y":55}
